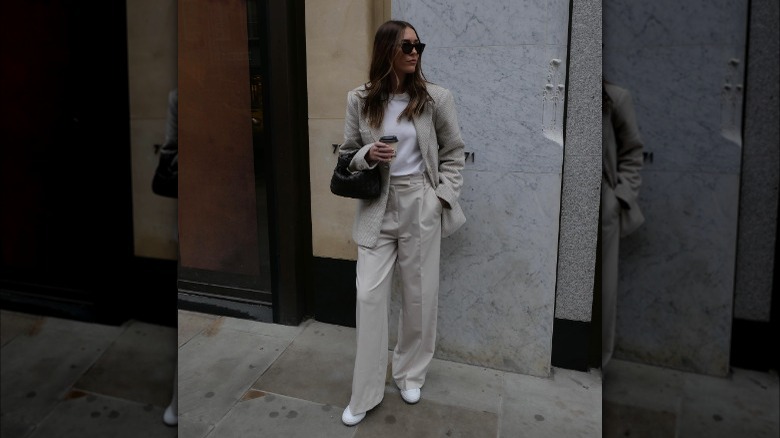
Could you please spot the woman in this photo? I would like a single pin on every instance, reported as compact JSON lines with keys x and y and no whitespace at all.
{"x":401,"y":230}
{"x":620,"y":214}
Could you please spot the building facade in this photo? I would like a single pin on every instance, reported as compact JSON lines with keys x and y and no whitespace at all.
{"x":256,"y":233}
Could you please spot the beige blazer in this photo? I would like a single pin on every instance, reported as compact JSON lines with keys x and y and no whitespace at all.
{"x":442,"y":148}
{"x":622,"y":157}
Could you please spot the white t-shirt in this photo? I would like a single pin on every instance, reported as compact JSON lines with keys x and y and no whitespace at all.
{"x":408,"y":159}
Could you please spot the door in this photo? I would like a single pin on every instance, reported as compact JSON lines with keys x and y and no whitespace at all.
{"x":243,"y":209}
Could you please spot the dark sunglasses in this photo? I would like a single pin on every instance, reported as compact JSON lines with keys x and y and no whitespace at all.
{"x":407,"y":47}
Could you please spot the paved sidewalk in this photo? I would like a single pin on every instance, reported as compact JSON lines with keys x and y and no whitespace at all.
{"x":648,"y":401}
{"x":238,"y":378}
{"x":242,"y":378}
{"x":63,"y":378}
{"x":69,"y":379}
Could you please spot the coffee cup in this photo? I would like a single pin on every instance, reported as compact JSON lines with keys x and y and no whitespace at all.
{"x":391,"y":141}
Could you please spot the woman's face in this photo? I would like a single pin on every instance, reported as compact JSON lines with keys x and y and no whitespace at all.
{"x":403,"y":63}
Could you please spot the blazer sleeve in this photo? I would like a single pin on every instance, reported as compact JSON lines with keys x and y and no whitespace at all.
{"x":451,"y":149}
{"x":629,"y":150}
{"x":352,"y":138}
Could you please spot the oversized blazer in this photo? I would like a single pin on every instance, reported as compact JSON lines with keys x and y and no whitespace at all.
{"x":442,"y":148}
{"x":622,"y":158}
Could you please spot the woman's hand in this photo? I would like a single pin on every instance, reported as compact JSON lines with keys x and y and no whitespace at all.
{"x":381,"y":152}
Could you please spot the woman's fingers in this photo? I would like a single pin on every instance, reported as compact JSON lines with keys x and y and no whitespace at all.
{"x":381,"y":152}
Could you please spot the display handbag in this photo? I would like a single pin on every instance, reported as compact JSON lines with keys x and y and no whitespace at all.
{"x":165,"y":181}
{"x":362,"y":184}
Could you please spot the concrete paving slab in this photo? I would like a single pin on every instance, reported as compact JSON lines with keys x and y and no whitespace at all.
{"x":655,"y":389}
{"x":566,"y":405}
{"x":563,"y":383}
{"x":282,"y":332}
{"x":746,"y":403}
{"x":713,"y":419}
{"x":191,"y":426}
{"x":139,"y":366}
{"x":192,"y":323}
{"x":622,"y":421}
{"x":38,"y":367}
{"x":12,"y":324}
{"x":216,"y":368}
{"x":274,"y":415}
{"x":325,"y":380}
{"x":317,"y":334}
{"x":643,"y":397}
{"x":467,"y":386}
{"x":320,"y":376}
{"x":582,"y":386}
{"x":83,"y":415}
{"x":16,"y":427}
{"x":751,"y":392}
{"x":394,"y":418}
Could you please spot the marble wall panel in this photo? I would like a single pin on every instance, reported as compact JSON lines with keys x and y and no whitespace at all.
{"x":678,"y":102}
{"x":496,"y":301}
{"x":684,"y":64}
{"x":673,"y":23}
{"x":498,"y":92}
{"x":475,"y":23}
{"x":677,"y":273}
{"x":557,"y":32}
{"x":498,"y":272}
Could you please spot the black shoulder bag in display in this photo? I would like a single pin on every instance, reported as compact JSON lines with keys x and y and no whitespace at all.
{"x":165,"y":181}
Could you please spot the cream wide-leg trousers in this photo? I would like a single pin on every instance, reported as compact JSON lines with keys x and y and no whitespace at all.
{"x":409,"y":240}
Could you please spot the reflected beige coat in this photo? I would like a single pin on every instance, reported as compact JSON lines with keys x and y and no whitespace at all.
{"x":622,"y":158}
{"x":620,"y":214}
{"x":442,"y":148}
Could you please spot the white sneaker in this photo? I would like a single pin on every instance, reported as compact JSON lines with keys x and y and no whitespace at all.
{"x":169,"y":417}
{"x":411,"y":396}
{"x":349,"y":419}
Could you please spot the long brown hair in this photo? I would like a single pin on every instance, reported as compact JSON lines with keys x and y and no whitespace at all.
{"x":379,"y":87}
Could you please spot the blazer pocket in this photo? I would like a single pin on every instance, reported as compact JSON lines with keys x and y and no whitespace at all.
{"x":452,"y":219}
{"x":630,"y":219}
